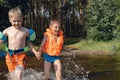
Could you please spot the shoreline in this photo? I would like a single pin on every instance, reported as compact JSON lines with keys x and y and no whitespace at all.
{"x":87,"y":52}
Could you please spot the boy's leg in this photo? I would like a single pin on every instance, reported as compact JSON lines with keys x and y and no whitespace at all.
{"x":58,"y":68}
{"x":10,"y":63}
{"x":47,"y":68}
{"x":11,"y":69}
{"x":15,"y":70}
{"x":18,"y":72}
{"x":19,"y":67}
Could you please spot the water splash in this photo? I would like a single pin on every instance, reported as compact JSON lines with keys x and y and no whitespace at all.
{"x":77,"y":72}
{"x":71,"y":71}
{"x":31,"y":74}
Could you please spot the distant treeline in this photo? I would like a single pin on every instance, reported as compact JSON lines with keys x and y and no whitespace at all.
{"x":88,"y":19}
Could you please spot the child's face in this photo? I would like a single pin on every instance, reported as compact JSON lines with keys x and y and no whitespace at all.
{"x":16,"y":22}
{"x":55,"y":28}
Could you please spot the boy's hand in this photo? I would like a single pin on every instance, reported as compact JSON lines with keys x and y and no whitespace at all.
{"x":40,"y":50}
{"x":38,"y":55}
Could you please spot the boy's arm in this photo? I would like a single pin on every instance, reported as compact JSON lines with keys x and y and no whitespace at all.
{"x":31,"y":46}
{"x":66,"y":49}
{"x":42,"y":43}
{"x":33,"y":49}
{"x":70,"y":51}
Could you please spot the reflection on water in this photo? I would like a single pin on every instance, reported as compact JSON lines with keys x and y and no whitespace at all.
{"x":100,"y":67}
{"x":108,"y":75}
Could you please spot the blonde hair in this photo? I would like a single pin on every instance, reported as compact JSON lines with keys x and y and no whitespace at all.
{"x":15,"y":12}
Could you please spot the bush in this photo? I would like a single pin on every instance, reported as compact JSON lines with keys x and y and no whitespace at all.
{"x":100,"y":17}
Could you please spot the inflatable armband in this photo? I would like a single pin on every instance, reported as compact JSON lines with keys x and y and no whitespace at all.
{"x":2,"y":53}
{"x":2,"y":36}
{"x":32,"y":35}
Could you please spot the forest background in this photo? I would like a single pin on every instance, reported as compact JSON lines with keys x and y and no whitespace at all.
{"x":91,"y":25}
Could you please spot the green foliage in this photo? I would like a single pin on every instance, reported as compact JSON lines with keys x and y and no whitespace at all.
{"x":100,"y":20}
{"x":117,"y":18}
{"x":2,"y":2}
{"x":91,"y":45}
{"x":116,"y":3}
{"x":117,"y":22}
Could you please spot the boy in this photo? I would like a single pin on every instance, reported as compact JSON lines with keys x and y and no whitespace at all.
{"x":51,"y":46}
{"x":17,"y":38}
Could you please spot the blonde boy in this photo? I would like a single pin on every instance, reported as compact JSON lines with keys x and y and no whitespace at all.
{"x":17,"y":40}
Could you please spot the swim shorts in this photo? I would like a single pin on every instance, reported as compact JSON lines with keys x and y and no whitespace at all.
{"x":16,"y":59}
{"x":49,"y":58}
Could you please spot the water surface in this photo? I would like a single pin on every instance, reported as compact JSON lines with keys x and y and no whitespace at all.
{"x":100,"y":67}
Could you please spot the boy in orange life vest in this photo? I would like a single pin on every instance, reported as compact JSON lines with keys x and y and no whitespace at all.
{"x":17,"y":40}
{"x":51,"y":47}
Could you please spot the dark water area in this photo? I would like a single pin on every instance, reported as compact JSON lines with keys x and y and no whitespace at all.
{"x":100,"y":67}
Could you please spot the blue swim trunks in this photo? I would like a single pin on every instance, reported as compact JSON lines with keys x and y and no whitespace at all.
{"x":49,"y":58}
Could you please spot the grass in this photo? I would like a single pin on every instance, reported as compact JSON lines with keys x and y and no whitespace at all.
{"x":110,"y":46}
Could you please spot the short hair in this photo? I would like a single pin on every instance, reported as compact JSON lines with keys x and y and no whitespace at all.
{"x":54,"y":20}
{"x":15,"y":12}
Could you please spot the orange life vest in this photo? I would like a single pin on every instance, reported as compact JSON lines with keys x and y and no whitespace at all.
{"x":51,"y":47}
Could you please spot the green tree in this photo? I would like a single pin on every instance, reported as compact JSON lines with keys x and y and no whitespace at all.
{"x":100,"y":16}
{"x":117,"y":18}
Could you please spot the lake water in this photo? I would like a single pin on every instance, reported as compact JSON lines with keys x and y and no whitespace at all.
{"x":81,"y":67}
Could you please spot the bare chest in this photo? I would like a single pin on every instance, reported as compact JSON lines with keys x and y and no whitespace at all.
{"x":18,"y":35}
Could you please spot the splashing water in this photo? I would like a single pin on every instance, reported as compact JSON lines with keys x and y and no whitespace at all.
{"x":31,"y":74}
{"x":76,"y":73}
{"x":71,"y":71}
